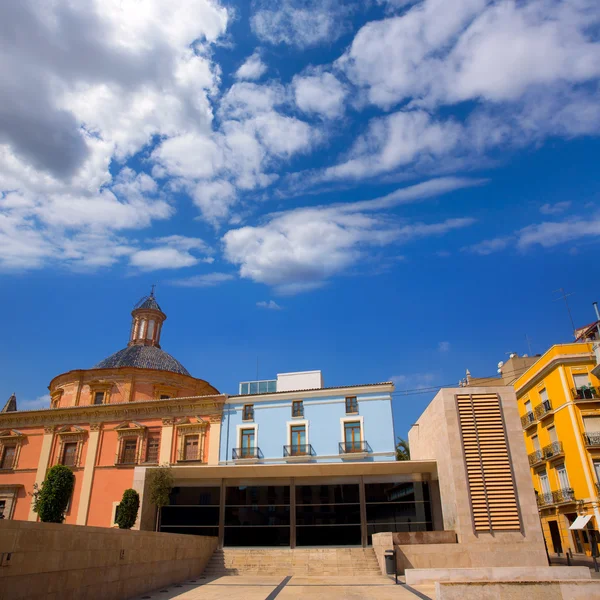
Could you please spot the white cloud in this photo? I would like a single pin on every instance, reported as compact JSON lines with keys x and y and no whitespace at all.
{"x":450,"y":52}
{"x":270,"y":305}
{"x":299,"y":23}
{"x":490,"y":246}
{"x":171,"y":252}
{"x":443,"y":346}
{"x":551,"y":234}
{"x":206,"y":280}
{"x":253,"y":68}
{"x":301,"y":249}
{"x":415,"y":381}
{"x":42,"y":401}
{"x":322,"y":94}
{"x":555,"y":209}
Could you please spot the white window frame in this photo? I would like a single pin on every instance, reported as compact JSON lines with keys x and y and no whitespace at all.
{"x":291,"y":424}
{"x":246,"y":425}
{"x":351,"y":419}
{"x":560,"y":485}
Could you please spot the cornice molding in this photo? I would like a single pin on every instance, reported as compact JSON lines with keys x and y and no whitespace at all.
{"x":561,"y":359}
{"x":123,"y":411}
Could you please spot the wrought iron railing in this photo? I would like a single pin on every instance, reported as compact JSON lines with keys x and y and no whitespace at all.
{"x":127,"y":456}
{"x":299,"y":450}
{"x":563,"y":495}
{"x":527,"y":419}
{"x":535,"y":457}
{"x":353,"y":447}
{"x":543,"y":409}
{"x":592,"y":438}
{"x":249,"y":452}
{"x":552,"y":450}
{"x":544,"y":499}
{"x":585,"y":393}
{"x":191,"y":454}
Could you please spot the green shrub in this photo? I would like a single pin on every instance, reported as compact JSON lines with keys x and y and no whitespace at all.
{"x":128,"y":509}
{"x":51,"y":500}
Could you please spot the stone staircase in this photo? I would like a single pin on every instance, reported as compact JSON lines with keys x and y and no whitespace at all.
{"x":299,"y":561}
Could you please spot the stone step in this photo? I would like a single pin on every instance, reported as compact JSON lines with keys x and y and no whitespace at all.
{"x":299,"y":561}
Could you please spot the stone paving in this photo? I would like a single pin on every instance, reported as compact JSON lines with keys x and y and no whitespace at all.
{"x":289,"y":588}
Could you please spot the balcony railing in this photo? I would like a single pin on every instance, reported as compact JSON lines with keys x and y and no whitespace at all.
{"x":127,"y":457}
{"x":543,"y":409}
{"x":558,"y":497}
{"x":544,"y":499}
{"x":585,"y":393}
{"x":527,"y":420}
{"x":243,"y":453}
{"x":354,"y":447}
{"x":592,"y":438}
{"x":553,"y":450}
{"x":298,"y":450}
{"x":190,"y":455}
{"x":563,"y":495}
{"x":535,"y":457}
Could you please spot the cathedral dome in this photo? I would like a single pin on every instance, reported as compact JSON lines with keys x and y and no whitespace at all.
{"x":143,"y":350}
{"x":143,"y":357}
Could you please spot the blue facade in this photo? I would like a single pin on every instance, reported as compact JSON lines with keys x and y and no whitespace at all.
{"x":365,"y":432}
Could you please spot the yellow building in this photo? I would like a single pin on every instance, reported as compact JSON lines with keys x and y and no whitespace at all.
{"x":559,"y":404}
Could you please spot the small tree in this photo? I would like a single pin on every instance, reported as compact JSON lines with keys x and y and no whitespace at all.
{"x":402,"y":450}
{"x":51,"y":500}
{"x":160,"y":484}
{"x":127,"y":510}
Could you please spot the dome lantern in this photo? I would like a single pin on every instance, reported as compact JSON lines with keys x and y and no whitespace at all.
{"x":146,"y":324}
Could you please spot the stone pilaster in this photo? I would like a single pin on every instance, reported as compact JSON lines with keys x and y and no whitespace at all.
{"x":88,"y":473}
{"x":42,"y":465}
{"x":166,"y":442}
{"x":214,"y":440}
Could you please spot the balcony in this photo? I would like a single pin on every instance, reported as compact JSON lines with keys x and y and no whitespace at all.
{"x":190,"y":454}
{"x":535,"y":458}
{"x":354,"y":449}
{"x":544,"y":500}
{"x":592,"y":439}
{"x":126,"y":458}
{"x":299,"y":452}
{"x":527,"y":420}
{"x":543,"y":410}
{"x":553,"y":450}
{"x":585,"y":394}
{"x":563,"y":496}
{"x":249,"y":453}
{"x":596,"y":369}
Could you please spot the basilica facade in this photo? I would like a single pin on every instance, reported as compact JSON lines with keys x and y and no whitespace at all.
{"x":138,"y":407}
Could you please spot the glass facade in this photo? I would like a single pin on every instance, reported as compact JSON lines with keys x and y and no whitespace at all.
{"x":325,"y":515}
{"x":258,"y":387}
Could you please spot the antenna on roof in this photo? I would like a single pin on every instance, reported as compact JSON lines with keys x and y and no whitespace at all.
{"x":152,"y":290}
{"x":564,"y":297}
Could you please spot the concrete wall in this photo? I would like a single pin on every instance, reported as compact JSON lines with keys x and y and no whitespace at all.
{"x":323,"y":416}
{"x":436,"y":436}
{"x":53,"y":561}
{"x":518,"y":590}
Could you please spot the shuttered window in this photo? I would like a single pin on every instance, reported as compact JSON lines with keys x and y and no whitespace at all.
{"x":489,"y":473}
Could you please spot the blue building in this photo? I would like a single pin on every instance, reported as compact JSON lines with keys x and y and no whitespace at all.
{"x":296,"y":419}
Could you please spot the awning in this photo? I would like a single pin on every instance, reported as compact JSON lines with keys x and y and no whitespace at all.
{"x":580,"y":522}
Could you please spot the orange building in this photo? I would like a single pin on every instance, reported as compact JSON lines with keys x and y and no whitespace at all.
{"x":138,"y":407}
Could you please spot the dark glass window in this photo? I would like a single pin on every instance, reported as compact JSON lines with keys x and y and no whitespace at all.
{"x":164,"y":396}
{"x":297,"y":408}
{"x":210,"y":531}
{"x":396,"y":492}
{"x":327,"y":494}
{"x":203,"y":496}
{"x":248,"y":414}
{"x":328,"y":514}
{"x":260,"y":495}
{"x":257,"y":515}
{"x":257,"y":536}
{"x":351,"y":405}
{"x":190,"y":515}
{"x":343,"y":535}
{"x":98,"y":397}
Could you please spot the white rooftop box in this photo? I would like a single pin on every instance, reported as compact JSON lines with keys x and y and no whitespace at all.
{"x":303,"y":380}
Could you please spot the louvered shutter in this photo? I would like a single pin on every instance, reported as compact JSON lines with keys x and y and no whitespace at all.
{"x":489,"y":473}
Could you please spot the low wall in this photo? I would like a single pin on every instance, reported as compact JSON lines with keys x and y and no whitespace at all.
{"x":466,"y":555}
{"x":519,"y":590}
{"x":424,"y":537}
{"x":53,"y":561}
{"x":428,"y":576}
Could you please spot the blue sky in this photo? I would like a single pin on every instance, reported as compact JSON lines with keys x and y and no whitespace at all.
{"x":383,"y":189}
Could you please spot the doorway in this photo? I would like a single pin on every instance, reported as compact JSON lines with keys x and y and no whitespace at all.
{"x":555,"y":535}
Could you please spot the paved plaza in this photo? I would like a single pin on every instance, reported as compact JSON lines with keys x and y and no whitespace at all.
{"x":289,"y":588}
